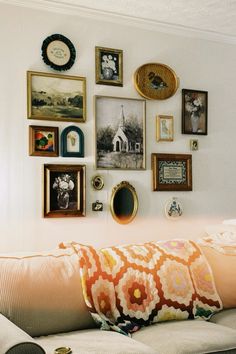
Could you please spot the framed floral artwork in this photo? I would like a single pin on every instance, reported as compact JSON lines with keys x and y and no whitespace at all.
{"x":64,"y":190}
{"x":72,"y":142}
{"x":164,"y":128}
{"x":56,"y":97}
{"x":43,"y":141}
{"x":194,"y":112}
{"x":172,"y":172}
{"x":109,"y":66}
{"x":120,"y":133}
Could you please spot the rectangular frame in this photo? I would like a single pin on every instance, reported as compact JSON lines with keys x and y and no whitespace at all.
{"x":164,"y":128}
{"x":172,"y":172}
{"x":109,"y":66}
{"x":56,"y":97}
{"x":194,"y":112}
{"x":120,"y":128}
{"x":49,"y":144}
{"x":64,"y":191}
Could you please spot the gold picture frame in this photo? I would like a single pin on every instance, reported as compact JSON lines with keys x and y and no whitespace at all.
{"x":43,"y":141}
{"x":156,"y":81}
{"x":164,"y":128}
{"x":120,"y":133}
{"x":56,"y":97}
{"x":109,"y":66}
{"x":171,"y":172}
{"x":64,"y":191}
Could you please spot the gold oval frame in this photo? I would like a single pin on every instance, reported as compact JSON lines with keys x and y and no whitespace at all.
{"x":156,"y":81}
{"x":97,"y":182}
{"x":118,"y":187}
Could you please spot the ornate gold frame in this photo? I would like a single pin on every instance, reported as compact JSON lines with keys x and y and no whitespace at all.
{"x":115,"y":190}
{"x":165,"y":85}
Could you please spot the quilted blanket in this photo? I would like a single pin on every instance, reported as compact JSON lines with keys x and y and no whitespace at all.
{"x":130,"y":286}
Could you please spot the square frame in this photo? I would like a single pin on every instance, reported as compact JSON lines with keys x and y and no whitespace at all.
{"x":64,"y":191}
{"x":109,"y":66}
{"x":164,"y":128}
{"x":43,"y":144}
{"x":120,"y":128}
{"x":172,"y":172}
{"x":56,"y":97}
{"x":194,"y":112}
{"x":72,"y":142}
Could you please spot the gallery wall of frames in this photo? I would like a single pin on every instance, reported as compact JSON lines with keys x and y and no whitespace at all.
{"x":111,"y":130}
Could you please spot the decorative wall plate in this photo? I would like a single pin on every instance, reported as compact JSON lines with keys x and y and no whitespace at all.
{"x":58,"y":52}
{"x":156,"y":81}
{"x":173,"y":209}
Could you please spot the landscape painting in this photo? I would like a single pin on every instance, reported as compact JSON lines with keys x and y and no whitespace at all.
{"x":120,"y":133}
{"x":56,"y":97}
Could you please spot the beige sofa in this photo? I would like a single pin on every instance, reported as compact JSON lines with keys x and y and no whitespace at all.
{"x":42,"y":309}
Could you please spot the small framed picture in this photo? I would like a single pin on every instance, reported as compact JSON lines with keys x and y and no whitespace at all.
{"x":72,"y":142}
{"x":56,"y":97}
{"x":172,"y":172}
{"x":109,"y":66}
{"x":194,"y":112}
{"x":43,"y":141}
{"x":194,"y":146}
{"x":64,"y":190}
{"x":164,"y":128}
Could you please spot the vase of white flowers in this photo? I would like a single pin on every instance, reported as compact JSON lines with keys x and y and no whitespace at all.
{"x":195,"y":107}
{"x":63,"y":184}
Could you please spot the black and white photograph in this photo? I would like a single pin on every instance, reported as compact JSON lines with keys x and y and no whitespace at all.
{"x":56,"y":97}
{"x":120,"y":133}
{"x":109,"y":66}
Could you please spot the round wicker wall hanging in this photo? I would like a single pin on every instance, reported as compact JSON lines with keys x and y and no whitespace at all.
{"x":156,"y":81}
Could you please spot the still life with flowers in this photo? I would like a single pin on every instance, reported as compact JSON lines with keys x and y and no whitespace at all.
{"x":109,"y":66}
{"x":194,"y":112}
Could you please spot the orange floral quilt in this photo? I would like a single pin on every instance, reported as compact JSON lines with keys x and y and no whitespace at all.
{"x":130,"y":286}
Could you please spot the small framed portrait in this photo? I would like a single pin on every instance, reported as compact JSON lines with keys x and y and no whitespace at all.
{"x":56,"y":97}
{"x":64,"y":190}
{"x":164,"y":128}
{"x":194,"y":112}
{"x":43,"y":141}
{"x":109,"y":66}
{"x":194,"y":145}
{"x":172,"y":172}
{"x":72,"y":142}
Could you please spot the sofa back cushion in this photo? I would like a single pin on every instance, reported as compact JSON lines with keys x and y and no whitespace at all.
{"x":42,"y":294}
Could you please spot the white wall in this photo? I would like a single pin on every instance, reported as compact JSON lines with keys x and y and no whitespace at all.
{"x":199,"y":64}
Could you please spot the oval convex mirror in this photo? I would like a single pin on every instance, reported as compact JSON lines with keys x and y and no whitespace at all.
{"x":124,"y":203}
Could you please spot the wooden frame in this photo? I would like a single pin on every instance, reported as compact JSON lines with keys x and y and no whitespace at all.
{"x":172,"y":172}
{"x":43,"y":141}
{"x":120,"y":133}
{"x":64,"y":191}
{"x":164,"y":128}
{"x":194,"y":112}
{"x":56,"y":97}
{"x":72,"y":142}
{"x":109,"y":66}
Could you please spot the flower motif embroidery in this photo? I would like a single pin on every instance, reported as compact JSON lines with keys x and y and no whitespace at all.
{"x":177,"y":248}
{"x":176,"y":282}
{"x":169,"y":313}
{"x":202,"y":277}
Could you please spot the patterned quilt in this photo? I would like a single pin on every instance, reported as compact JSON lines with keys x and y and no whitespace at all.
{"x":130,"y":286}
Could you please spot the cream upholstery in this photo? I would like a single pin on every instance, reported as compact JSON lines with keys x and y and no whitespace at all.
{"x":41,"y":293}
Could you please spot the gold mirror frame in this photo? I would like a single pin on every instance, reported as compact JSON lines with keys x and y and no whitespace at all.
{"x":119,"y":218}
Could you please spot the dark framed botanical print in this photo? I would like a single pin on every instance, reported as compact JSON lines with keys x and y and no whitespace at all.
{"x":172,"y":172}
{"x":194,"y":112}
{"x":43,"y":141}
{"x":109,"y":66}
{"x":72,"y":142}
{"x":64,"y":190}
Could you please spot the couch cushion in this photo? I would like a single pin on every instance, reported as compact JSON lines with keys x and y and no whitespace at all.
{"x":15,"y":341}
{"x":187,"y":337}
{"x":95,"y":341}
{"x":41,"y":293}
{"x":225,"y":318}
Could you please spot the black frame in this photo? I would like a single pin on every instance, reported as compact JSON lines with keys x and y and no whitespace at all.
{"x":67,"y":42}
